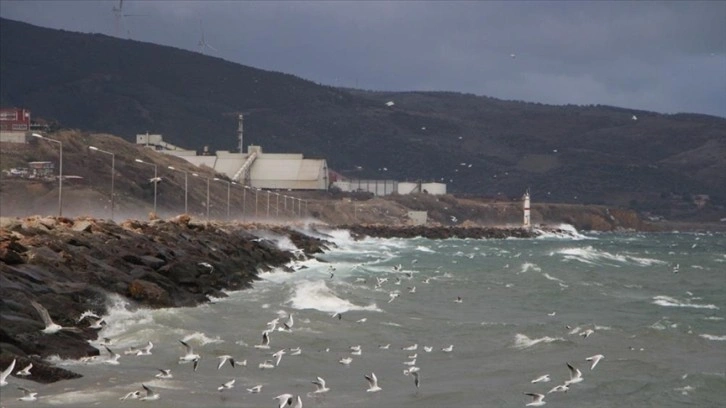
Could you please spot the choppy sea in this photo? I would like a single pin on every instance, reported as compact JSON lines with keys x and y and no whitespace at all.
{"x":510,"y":310}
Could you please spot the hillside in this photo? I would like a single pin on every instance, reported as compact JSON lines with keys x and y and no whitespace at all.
{"x":477,"y":145}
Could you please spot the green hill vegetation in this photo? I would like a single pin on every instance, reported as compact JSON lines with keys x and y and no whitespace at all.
{"x":477,"y":145}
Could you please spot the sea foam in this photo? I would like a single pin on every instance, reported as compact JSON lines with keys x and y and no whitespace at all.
{"x":668,"y":301}
{"x":317,"y":295}
{"x":521,"y":341}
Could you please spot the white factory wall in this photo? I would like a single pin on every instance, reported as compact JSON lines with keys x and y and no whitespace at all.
{"x":288,"y":171}
{"x":405,"y":187}
{"x":377,"y":187}
{"x":434,"y":188}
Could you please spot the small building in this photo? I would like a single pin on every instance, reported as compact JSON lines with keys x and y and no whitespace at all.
{"x":14,"y":119}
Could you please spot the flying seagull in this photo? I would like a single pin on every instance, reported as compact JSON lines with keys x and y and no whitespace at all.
{"x":4,"y":375}
{"x":223,"y":359}
{"x":28,"y":396}
{"x":537,"y":400}
{"x":226,"y":386}
{"x":595,"y":359}
{"x":575,"y":375}
{"x":150,"y":394}
{"x":284,"y":399}
{"x":189,"y":356}
{"x":50,"y":327}
{"x":543,"y":378}
{"x":25,"y":371}
{"x":164,"y":374}
{"x":320,"y":386}
{"x":372,"y":383}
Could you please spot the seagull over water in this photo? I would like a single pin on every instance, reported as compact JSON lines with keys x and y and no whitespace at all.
{"x":50,"y":326}
{"x":189,"y":356}
{"x":226,"y":386}
{"x":284,"y":399}
{"x":575,"y":375}
{"x":28,"y":396}
{"x":559,"y":388}
{"x":164,"y":374}
{"x":151,"y":395}
{"x":543,"y":378}
{"x":595,"y":359}
{"x":25,"y":371}
{"x":255,"y":390}
{"x":320,"y":386}
{"x":223,"y":359}
{"x":537,"y":400}
{"x":372,"y":383}
{"x":265,"y":341}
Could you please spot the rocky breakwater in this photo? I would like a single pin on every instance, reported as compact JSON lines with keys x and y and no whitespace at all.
{"x":70,"y":266}
{"x":439,"y":232}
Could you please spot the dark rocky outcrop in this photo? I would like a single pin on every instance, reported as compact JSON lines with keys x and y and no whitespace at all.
{"x":71,"y":265}
{"x":389,"y":231}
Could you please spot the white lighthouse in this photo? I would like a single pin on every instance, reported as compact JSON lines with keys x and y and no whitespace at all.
{"x":527,"y":221}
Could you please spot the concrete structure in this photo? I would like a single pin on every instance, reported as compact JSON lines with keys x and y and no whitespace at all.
{"x":278,"y":171}
{"x":14,"y":137}
{"x":377,"y":187}
{"x":418,"y":217}
{"x":405,"y":187}
{"x":433,"y":188}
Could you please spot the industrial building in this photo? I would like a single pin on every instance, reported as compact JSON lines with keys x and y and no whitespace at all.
{"x":255,"y":168}
{"x":282,"y":171}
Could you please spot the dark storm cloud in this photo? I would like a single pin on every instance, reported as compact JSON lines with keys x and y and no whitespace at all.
{"x":661,"y":56}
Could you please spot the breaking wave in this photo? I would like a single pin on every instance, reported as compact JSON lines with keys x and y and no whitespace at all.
{"x":317,"y":295}
{"x":673,"y":302}
{"x":521,"y":341}
{"x":592,"y":256}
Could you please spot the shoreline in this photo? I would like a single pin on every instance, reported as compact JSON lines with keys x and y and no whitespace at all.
{"x":70,"y":266}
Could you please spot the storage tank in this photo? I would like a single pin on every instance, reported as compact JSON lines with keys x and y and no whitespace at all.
{"x":433,"y":188}
{"x":405,"y":187}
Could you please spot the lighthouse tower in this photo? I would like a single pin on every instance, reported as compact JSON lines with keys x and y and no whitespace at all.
{"x":527,"y":221}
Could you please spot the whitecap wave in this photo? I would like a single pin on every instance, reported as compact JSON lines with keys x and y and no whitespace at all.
{"x":422,"y":248}
{"x":79,"y":397}
{"x":201,"y":338}
{"x":561,"y":231}
{"x":592,"y":256}
{"x":668,"y":301}
{"x":317,"y":295}
{"x":713,"y":337}
{"x":552,"y":278}
{"x":521,"y":341}
{"x":528,"y":266}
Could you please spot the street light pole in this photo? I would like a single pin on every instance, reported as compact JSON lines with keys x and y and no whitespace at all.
{"x":60,"y":171}
{"x":186,"y":187}
{"x":113,"y":174}
{"x":155,"y":180}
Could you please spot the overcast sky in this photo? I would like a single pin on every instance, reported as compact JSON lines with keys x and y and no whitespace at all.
{"x":662,"y":56}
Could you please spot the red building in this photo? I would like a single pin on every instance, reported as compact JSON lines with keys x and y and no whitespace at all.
{"x":14,"y":119}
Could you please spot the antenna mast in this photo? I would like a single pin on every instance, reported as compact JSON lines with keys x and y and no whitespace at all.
{"x":240,"y":133}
